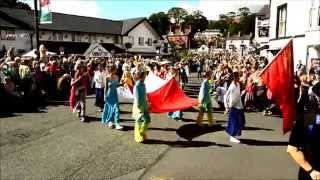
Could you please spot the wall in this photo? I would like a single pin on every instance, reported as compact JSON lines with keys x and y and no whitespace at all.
{"x":84,"y":37}
{"x":261,"y":23}
{"x":22,"y":41}
{"x":142,"y":30}
{"x":301,"y":26}
{"x":237,"y":44}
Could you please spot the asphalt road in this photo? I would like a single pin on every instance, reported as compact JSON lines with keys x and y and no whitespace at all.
{"x":53,"y":144}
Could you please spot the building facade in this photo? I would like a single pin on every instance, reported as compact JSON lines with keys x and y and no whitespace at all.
{"x":76,"y":33}
{"x":297,"y":20}
{"x":261,"y":38}
{"x":239,"y":44}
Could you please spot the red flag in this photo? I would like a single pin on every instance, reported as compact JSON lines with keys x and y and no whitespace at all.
{"x":170,"y":98}
{"x":44,"y":2}
{"x":279,"y":79}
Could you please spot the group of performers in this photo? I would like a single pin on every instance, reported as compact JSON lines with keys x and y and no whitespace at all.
{"x":107,"y":82}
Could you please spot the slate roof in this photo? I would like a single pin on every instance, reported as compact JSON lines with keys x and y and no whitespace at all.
{"x":67,"y":22}
{"x":5,"y":23}
{"x":129,"y":24}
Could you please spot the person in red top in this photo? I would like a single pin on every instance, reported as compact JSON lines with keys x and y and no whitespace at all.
{"x":79,"y":91}
{"x":249,"y":98}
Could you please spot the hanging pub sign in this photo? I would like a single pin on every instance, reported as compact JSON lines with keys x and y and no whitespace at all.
{"x":45,"y":12}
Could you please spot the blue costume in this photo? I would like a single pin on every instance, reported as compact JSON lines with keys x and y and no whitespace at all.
{"x":111,"y":106}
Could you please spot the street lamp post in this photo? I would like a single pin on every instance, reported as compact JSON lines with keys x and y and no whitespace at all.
{"x":36,"y":23}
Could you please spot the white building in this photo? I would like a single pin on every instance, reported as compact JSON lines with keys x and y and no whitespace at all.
{"x":76,"y":33}
{"x":261,"y":38}
{"x":208,"y":34}
{"x":240,"y":44}
{"x":299,"y":20}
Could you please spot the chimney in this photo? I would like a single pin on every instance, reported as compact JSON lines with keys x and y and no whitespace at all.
{"x":239,"y":33}
{"x":228,"y":34}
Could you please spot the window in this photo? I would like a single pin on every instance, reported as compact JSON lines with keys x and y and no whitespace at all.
{"x":78,"y":37}
{"x":8,"y":34}
{"x":281,"y":21}
{"x":131,"y":39}
{"x":149,"y":41}
{"x":54,"y":36}
{"x":73,"y":37}
{"x":141,"y":41}
{"x":93,"y":38}
{"x":263,"y":32}
{"x":60,"y":36}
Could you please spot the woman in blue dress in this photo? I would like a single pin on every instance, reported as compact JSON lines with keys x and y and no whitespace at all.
{"x":110,"y":114}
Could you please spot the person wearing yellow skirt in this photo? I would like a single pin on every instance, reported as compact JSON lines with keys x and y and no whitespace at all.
{"x":204,"y":99}
{"x":140,"y":108}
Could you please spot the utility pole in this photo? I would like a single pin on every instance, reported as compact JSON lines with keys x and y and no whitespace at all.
{"x":36,"y":25}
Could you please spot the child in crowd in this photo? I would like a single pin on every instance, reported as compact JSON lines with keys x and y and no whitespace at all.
{"x":140,"y":108}
{"x":111,"y":109}
{"x":99,"y":81}
{"x":79,"y":92}
{"x":236,"y":119}
{"x":204,"y":99}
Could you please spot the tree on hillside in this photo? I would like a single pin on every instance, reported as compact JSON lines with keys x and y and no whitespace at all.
{"x":177,"y":14}
{"x":160,"y":21}
{"x":14,"y":4}
{"x":227,"y":24}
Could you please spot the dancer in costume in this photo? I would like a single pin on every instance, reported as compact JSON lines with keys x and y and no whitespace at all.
{"x":177,"y":115}
{"x":79,"y":92}
{"x":126,"y":79}
{"x":140,"y":108}
{"x":99,"y":78}
{"x":110,"y":114}
{"x":233,"y":103}
{"x":204,"y":99}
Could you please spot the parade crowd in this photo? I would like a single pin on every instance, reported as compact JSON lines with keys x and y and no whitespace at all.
{"x":232,"y":80}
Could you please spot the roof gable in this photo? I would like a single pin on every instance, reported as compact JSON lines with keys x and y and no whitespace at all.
{"x":129,"y":24}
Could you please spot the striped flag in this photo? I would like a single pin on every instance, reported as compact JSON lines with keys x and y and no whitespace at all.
{"x":46,"y":15}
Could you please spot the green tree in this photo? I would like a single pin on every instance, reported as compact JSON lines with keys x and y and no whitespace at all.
{"x":14,"y":4}
{"x":177,"y":14}
{"x":197,"y":21}
{"x":160,"y":22}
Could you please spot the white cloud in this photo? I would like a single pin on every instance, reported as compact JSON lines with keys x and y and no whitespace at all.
{"x":213,"y":8}
{"x":185,"y":5}
{"x":76,"y":7}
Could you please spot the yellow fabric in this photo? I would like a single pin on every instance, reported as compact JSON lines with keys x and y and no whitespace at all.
{"x":200,"y":117}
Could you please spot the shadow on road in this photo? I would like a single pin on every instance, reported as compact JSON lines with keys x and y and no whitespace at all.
{"x":253,"y":142}
{"x":185,"y":144}
{"x":191,"y":131}
{"x":256,"y":129}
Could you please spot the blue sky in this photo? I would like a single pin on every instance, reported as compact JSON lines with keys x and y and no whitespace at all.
{"x":122,"y":9}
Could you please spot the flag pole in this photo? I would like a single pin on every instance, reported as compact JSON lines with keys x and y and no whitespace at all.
{"x":265,"y":68}
{"x":36,"y":24}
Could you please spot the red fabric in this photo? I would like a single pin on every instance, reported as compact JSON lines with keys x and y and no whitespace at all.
{"x":72,"y":98}
{"x":279,"y":79}
{"x":170,"y":98}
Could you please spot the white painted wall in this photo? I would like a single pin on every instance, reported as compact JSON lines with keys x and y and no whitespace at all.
{"x":142,"y":30}
{"x":237,"y":44}
{"x":22,"y":41}
{"x":260,"y":23}
{"x":300,"y":21}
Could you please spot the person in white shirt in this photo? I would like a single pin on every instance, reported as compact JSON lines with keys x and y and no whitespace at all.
{"x":232,"y":101}
{"x":99,"y":81}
